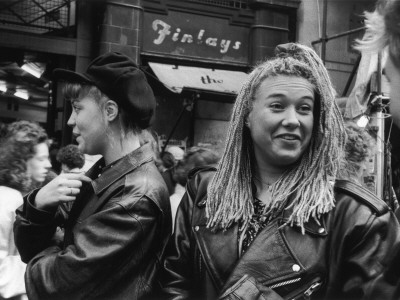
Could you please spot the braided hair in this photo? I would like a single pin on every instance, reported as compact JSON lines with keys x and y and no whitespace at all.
{"x":309,"y":182}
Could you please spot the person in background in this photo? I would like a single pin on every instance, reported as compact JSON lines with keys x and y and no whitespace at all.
{"x":118,"y":226}
{"x":358,"y":149}
{"x":38,"y":164}
{"x":194,"y":157}
{"x":383,"y":32}
{"x":167,"y":170}
{"x":23,"y":159}
{"x":270,"y":222}
{"x":71,"y":159}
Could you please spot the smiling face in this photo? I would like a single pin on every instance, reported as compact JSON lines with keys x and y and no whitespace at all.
{"x":88,"y":125}
{"x":281,"y":120}
{"x":392,"y":73}
{"x":38,"y":166}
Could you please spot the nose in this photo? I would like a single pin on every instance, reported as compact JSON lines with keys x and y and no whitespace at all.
{"x":290,"y":118}
{"x":71,"y":120}
{"x":48,"y":164}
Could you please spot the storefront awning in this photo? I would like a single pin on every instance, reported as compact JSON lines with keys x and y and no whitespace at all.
{"x":176,"y":78}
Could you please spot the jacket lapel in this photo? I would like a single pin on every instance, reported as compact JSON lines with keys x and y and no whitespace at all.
{"x":219,"y":250}
{"x":268,"y":259}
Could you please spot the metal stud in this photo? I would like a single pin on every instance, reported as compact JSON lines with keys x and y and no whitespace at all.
{"x":296,"y":268}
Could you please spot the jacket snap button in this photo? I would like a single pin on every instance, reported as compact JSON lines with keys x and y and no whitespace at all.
{"x":296,"y":268}
{"x":321,"y":230}
{"x":197,"y":228}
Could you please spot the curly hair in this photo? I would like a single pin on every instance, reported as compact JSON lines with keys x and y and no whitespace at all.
{"x":71,"y":156}
{"x":358,"y":149}
{"x":17,"y":146}
{"x":308,"y":183}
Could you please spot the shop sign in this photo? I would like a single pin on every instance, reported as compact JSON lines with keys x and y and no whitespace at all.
{"x":190,"y":35}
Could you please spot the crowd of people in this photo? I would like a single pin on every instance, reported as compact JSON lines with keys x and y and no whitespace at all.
{"x":281,"y":213}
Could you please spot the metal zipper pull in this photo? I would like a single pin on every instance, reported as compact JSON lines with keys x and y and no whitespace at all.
{"x":312,"y":289}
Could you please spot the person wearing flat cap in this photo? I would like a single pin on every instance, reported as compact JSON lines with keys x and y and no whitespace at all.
{"x":116,"y":218}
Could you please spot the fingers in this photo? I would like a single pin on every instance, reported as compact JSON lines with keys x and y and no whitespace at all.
{"x":76,"y":176}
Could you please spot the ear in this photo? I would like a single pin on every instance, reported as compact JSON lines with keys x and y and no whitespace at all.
{"x":111,"y":109}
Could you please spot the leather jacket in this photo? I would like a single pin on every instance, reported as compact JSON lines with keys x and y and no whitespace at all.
{"x":115,"y":235}
{"x":336,"y":258}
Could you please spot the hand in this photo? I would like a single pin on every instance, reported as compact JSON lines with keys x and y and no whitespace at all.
{"x":63,"y":188}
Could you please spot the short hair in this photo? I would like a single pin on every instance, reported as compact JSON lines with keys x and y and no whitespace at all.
{"x":17,"y":146}
{"x":76,"y":91}
{"x":71,"y":156}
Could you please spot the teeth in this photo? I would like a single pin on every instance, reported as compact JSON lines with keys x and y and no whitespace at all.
{"x":288,"y":137}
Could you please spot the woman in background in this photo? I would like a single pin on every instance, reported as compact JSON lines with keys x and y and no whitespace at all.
{"x":23,"y":160}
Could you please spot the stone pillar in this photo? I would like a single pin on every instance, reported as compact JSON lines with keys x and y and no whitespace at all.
{"x":121,"y":28}
{"x":274,"y":24}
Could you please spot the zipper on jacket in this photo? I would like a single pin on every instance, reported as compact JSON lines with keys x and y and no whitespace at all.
{"x":283,"y":283}
{"x":312,"y":289}
{"x":315,"y":285}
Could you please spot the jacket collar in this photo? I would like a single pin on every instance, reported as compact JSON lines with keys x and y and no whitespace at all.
{"x":107,"y":175}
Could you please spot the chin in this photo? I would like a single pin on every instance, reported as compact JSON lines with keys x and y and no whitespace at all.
{"x":287,"y":161}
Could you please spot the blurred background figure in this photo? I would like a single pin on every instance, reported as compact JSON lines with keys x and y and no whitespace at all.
{"x":71,"y":159}
{"x":35,"y":150}
{"x":170,"y":158}
{"x":358,"y":150}
{"x":176,"y":151}
{"x":193,"y":158}
{"x":167,"y":170}
{"x":24,"y":163}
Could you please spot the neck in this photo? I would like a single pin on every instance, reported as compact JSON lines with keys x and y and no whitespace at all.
{"x":267,"y":176}
{"x":119,"y":147}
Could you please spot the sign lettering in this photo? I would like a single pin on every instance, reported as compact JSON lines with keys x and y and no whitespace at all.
{"x":164,"y":30}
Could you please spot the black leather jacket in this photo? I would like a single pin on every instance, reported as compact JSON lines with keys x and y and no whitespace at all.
{"x":115,"y":235}
{"x":336,"y":259}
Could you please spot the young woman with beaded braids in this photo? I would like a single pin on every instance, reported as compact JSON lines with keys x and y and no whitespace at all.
{"x":271,"y":222}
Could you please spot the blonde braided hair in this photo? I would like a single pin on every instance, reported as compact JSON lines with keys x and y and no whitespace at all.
{"x":309,"y":182}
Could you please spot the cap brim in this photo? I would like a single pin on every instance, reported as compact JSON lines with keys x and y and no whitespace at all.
{"x":72,"y":76}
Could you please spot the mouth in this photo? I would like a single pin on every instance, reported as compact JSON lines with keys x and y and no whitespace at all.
{"x":75,"y":136}
{"x":289,"y":137}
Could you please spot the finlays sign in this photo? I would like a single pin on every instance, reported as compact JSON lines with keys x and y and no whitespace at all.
{"x":189,"y":35}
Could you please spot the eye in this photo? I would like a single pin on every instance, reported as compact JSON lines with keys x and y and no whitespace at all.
{"x":305,"y":108}
{"x":276,"y":106}
{"x":75,"y":107}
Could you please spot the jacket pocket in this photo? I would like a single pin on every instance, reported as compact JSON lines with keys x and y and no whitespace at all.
{"x":247,"y":288}
{"x":297,"y":289}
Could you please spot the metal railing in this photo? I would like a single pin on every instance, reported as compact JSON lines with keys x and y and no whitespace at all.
{"x":36,"y":16}
{"x":240,"y":4}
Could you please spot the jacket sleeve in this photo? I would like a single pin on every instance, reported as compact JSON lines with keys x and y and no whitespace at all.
{"x":177,"y":275}
{"x":362,"y":247}
{"x":111,"y":241}
{"x":33,"y":228}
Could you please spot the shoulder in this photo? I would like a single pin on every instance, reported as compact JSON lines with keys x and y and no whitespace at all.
{"x":147,"y":181}
{"x":349,"y":194}
{"x":200,"y":177}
